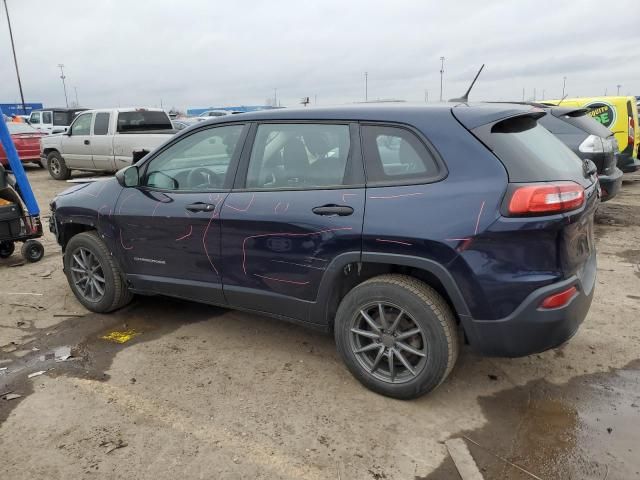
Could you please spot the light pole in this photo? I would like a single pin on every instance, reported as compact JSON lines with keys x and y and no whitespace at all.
{"x":564,"y":84}
{"x":64,"y":85}
{"x":78,"y":103}
{"x":275,"y":97}
{"x":426,"y":96}
{"x":441,"y":74}
{"x":618,"y":89}
{"x":15,"y":60}
{"x":366,"y":86}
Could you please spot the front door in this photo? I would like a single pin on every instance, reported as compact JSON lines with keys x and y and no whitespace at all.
{"x":76,"y":146}
{"x":169,"y":226}
{"x":297,"y":205}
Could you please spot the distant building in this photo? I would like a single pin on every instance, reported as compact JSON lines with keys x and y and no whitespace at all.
{"x":243,"y":108}
{"x":16,"y":108}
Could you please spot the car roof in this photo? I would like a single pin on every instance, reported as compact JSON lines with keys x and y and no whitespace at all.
{"x":473,"y":113}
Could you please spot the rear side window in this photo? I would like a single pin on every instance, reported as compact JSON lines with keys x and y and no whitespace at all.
{"x":61,"y":119}
{"x":530,"y":152}
{"x":46,"y":117}
{"x":101,"y":124}
{"x":587,"y":124}
{"x":141,"y":120}
{"x":396,"y":155}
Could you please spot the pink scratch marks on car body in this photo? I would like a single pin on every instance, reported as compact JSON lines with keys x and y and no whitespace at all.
{"x":125,"y":200}
{"x":99,"y":192}
{"x":281,"y":280}
{"x":237,"y":209}
{"x":393,"y":241}
{"x":478,"y":220}
{"x":100,"y":211}
{"x":187,"y":235}
{"x":402,"y":195}
{"x":122,"y":243}
{"x":158,"y":203}
{"x":244,"y":242}
{"x":206,"y":230}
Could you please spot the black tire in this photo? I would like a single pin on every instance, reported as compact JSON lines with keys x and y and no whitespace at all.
{"x":424,"y":311}
{"x":32,"y":251}
{"x":115,"y":293}
{"x":56,"y":166}
{"x":7,"y":248}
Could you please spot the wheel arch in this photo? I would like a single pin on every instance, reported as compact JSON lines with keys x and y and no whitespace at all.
{"x":350,"y":269}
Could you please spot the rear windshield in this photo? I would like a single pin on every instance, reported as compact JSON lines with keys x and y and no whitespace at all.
{"x":142,"y":120}
{"x":529,"y":152}
{"x":587,"y":124}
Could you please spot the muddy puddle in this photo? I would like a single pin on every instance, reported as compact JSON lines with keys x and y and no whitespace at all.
{"x":90,"y":355}
{"x":586,"y":429}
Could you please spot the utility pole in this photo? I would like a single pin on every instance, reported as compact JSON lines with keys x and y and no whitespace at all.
{"x":618,"y":89}
{"x":534,"y":94}
{"x":441,"y":74}
{"x":15,"y":60}
{"x":543,"y":97}
{"x":426,"y":96}
{"x":78,"y":103}
{"x":564,"y":84}
{"x":315,"y":99}
{"x":605,"y":91}
{"x":275,"y":97}
{"x":64,"y":85}
{"x":366,"y":86}
{"x":523,"y":94}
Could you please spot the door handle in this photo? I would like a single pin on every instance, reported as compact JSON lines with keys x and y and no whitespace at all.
{"x":340,"y":210}
{"x":87,"y":142}
{"x":200,"y":207}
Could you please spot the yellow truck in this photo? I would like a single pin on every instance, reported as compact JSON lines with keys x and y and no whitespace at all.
{"x":618,"y":114}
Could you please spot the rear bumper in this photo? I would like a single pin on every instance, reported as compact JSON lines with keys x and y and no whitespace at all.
{"x":610,"y":184}
{"x":530,"y":329}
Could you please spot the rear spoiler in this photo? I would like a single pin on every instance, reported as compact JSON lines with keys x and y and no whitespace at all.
{"x":569,"y":111}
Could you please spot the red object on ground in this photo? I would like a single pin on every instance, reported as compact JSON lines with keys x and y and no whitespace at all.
{"x":27,"y":142}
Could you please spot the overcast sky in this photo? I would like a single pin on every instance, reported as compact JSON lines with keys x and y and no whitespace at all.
{"x":212,"y":53}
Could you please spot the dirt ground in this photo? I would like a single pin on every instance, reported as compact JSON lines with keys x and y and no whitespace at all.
{"x":203,"y":392}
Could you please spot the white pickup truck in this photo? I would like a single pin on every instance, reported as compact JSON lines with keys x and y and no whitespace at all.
{"x":105,"y":140}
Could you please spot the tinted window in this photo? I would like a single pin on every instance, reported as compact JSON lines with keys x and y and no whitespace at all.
{"x":143,"y":120}
{"x":395,"y":154}
{"x":199,"y":161}
{"x":35,"y":118}
{"x":558,"y":126}
{"x":101,"y":124}
{"x":62,"y":119}
{"x":587,"y":124}
{"x":298,"y":156}
{"x":82,"y":125}
{"x":46,"y":117}
{"x":529,"y":152}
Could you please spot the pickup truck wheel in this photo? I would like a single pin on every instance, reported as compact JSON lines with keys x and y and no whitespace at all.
{"x":57,"y":168}
{"x":397,"y":336}
{"x":94,"y":277}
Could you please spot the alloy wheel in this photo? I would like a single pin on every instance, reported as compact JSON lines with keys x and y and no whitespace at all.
{"x":54,"y":165}
{"x":87,"y":274}
{"x":388,"y":343}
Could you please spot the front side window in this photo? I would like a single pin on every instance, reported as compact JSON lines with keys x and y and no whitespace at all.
{"x":82,"y":125}
{"x":197,"y":162}
{"x":35,"y":118}
{"x":101,"y":124}
{"x":298,"y":156}
{"x":46,"y":117}
{"x":394,"y":154}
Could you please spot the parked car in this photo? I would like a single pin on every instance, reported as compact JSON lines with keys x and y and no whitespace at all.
{"x":214,"y":113}
{"x":618,"y":114}
{"x":587,"y":138}
{"x":27,"y":142}
{"x":53,"y":120}
{"x":398,"y":228}
{"x":105,"y":140}
{"x":182,"y":123}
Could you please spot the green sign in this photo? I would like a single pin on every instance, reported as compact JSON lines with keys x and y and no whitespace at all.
{"x":603,"y":112}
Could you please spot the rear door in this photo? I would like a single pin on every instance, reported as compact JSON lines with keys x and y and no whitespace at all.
{"x":298,"y":203}
{"x":47,"y":121}
{"x":101,"y":142}
{"x":76,"y":146}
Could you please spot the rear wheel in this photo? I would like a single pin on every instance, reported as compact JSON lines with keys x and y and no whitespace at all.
{"x":6,"y":249}
{"x":94,"y":277}
{"x":32,"y":251}
{"x":57,"y":167}
{"x":397,"y":336}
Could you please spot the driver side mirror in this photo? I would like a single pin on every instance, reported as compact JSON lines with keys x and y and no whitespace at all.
{"x":128,"y":176}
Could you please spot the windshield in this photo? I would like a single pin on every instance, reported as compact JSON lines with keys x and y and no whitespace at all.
{"x":142,"y":120}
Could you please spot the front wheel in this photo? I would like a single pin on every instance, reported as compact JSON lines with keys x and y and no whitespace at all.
{"x":32,"y":251}
{"x":6,"y":249}
{"x":397,"y":336}
{"x":94,"y":277}
{"x":57,"y":166}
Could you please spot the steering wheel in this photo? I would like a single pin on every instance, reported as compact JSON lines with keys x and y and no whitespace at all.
{"x":203,"y":177}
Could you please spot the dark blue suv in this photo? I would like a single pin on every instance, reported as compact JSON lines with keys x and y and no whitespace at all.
{"x":399,"y":228}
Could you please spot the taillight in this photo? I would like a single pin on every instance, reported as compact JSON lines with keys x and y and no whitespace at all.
{"x":632,"y":132}
{"x":546,"y":198}
{"x":559,"y":299}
